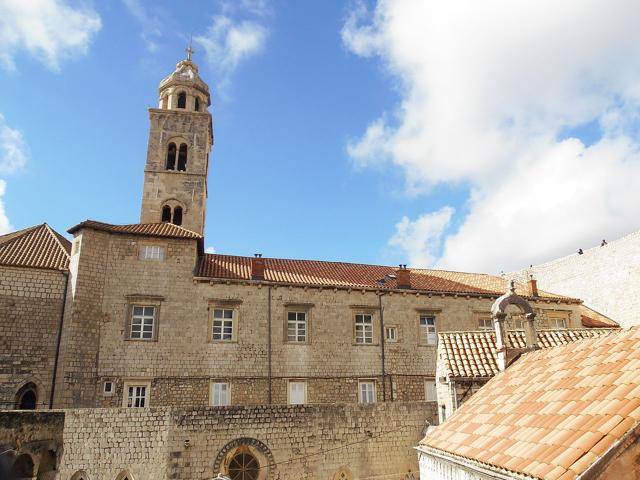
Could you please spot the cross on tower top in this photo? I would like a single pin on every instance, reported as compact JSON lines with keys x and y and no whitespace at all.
{"x":189,"y":51}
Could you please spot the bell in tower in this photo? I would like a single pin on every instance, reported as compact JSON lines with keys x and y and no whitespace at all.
{"x":180,"y":139}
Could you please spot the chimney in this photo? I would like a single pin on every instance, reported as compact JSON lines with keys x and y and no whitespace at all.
{"x":257,"y":267}
{"x":403,"y":277}
{"x":533,"y":287}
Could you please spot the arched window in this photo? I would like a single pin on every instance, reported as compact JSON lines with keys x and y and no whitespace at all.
{"x":244,"y":466}
{"x":27,"y":397}
{"x":125,"y":475}
{"x":166,"y":213}
{"x":177,"y":216}
{"x":171,"y":156}
{"x":197,"y":104}
{"x":182,"y":157}
{"x":182,"y":100}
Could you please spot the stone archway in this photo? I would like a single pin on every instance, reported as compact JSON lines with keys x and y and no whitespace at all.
{"x":499,"y":314}
{"x":23,"y":468}
{"x":27,"y":397}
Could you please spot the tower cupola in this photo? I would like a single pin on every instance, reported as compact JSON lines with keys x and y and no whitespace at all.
{"x":184,"y":89}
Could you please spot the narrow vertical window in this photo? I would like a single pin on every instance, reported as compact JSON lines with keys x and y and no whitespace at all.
{"x":177,"y":216}
{"x":297,"y":327}
{"x":220,"y":394}
{"x":166,"y":213}
{"x":197,"y":104}
{"x":297,"y":393}
{"x":428,"y":332}
{"x":367,"y":392}
{"x":222,"y":324}
{"x":182,"y":157}
{"x":430,"y":394}
{"x":391,"y":334}
{"x":182,"y":100}
{"x":171,"y":156}
{"x":364,"y":328}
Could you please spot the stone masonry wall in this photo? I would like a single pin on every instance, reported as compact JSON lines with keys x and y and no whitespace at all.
{"x":606,"y":278}
{"x":290,"y":442}
{"x":183,"y":360}
{"x":30,"y":308}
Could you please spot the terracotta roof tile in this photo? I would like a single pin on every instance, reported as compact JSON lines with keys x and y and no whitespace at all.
{"x":557,"y":429}
{"x":474,"y":355}
{"x":340,"y":274}
{"x":37,"y":247}
{"x":167,"y":230}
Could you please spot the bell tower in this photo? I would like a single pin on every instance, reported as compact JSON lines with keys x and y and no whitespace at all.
{"x":180,"y":139}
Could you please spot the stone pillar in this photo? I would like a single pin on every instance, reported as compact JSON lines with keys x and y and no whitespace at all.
{"x":530,"y":334}
{"x":501,"y":339}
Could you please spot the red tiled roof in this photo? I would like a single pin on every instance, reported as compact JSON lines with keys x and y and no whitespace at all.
{"x":167,"y":230}
{"x":591,"y":318}
{"x":552,"y":413}
{"x":339,"y":274}
{"x":474,"y":355}
{"x":37,"y":247}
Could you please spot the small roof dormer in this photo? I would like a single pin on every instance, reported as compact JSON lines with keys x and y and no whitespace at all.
{"x":184,"y":89}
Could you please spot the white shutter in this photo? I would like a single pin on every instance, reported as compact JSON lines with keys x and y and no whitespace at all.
{"x":296,"y":393}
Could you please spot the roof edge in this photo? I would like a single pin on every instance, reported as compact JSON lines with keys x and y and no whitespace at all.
{"x":377,"y":289}
{"x":98,"y":226}
{"x":482,"y":468}
{"x":597,"y":467}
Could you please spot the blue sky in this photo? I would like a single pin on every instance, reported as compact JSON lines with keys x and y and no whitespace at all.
{"x":280,"y":183}
{"x":355,"y":131}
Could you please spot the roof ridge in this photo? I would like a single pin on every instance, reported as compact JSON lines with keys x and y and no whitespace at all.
{"x":18,"y":233}
{"x":56,"y":235}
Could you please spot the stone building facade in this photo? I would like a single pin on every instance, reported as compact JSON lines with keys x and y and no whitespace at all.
{"x":601,"y":276}
{"x":155,"y":339}
{"x":32,"y":289}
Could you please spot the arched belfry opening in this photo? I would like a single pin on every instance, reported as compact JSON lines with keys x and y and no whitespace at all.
{"x":182,"y":157}
{"x":27,"y":397}
{"x":166,"y":214}
{"x":177,"y":216}
{"x":182,"y":100}
{"x":171,"y":156}
{"x":196,"y":104}
{"x":507,"y":353}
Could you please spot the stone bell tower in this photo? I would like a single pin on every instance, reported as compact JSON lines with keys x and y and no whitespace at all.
{"x":180,"y":139}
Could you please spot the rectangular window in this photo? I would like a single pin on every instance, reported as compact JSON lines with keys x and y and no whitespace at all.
{"x":222,"y":324}
{"x":75,"y":249}
{"x":220,"y":394}
{"x":142,"y":322}
{"x":367,"y":391}
{"x":296,"y":326}
{"x":430,"y":391}
{"x":137,"y":396}
{"x":428,"y":332}
{"x":364,"y":328}
{"x":297,"y":393}
{"x":151,"y":252}
{"x":391,"y":334}
{"x":108,"y":388}
{"x":485,"y":324}
{"x":557,"y":323}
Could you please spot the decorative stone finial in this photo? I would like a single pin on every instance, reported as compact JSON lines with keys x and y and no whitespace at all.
{"x":512,"y":286}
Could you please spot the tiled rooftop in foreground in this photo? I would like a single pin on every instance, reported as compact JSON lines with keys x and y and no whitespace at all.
{"x":551,"y":414}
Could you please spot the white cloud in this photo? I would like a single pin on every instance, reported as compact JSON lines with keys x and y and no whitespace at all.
{"x":50,"y":30}
{"x":210,"y":250}
{"x":228,"y":42}
{"x":13,"y":158}
{"x":420,"y":239}
{"x":488,"y":89}
{"x":150,"y":23}
{"x":13,"y":150}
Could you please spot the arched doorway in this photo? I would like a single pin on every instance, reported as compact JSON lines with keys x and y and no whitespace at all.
{"x":23,"y":467}
{"x":244,"y":466}
{"x":27,"y":397}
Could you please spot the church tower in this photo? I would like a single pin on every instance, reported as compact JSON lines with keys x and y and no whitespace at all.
{"x":180,"y":139}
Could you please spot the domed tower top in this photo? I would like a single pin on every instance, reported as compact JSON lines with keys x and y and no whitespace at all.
{"x":184,"y":88}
